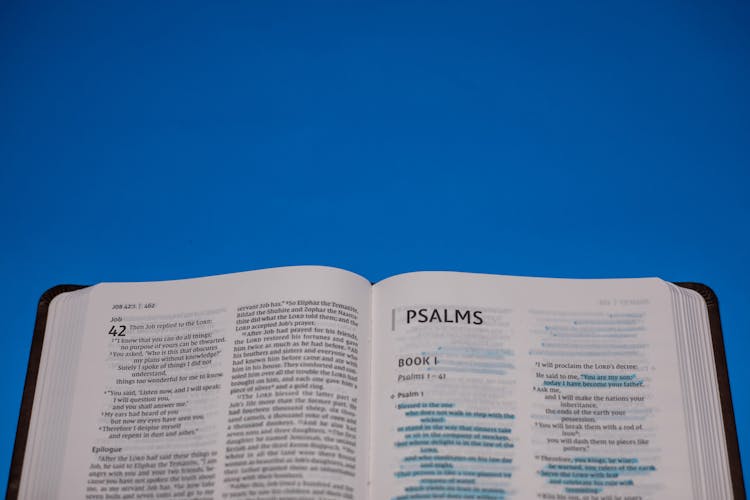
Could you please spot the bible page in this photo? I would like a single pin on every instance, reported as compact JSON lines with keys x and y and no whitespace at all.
{"x":502,"y":387}
{"x":250,"y":385}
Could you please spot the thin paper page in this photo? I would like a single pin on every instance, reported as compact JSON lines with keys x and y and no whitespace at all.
{"x":223,"y":387}
{"x":509,"y":387}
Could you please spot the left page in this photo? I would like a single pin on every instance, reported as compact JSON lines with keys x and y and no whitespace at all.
{"x":251,"y":385}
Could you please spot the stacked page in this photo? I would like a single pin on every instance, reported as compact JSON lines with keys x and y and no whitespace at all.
{"x":311,"y":383}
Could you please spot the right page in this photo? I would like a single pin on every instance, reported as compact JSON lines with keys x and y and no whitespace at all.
{"x":502,"y":387}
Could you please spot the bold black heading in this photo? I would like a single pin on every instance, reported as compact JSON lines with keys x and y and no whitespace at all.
{"x":465,"y":316}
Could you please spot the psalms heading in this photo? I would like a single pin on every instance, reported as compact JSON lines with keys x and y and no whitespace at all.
{"x":445,"y":315}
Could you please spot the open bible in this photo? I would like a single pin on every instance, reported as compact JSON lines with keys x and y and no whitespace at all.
{"x":313,"y":383}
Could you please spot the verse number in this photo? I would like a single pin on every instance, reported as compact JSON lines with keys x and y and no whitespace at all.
{"x":117,"y":331}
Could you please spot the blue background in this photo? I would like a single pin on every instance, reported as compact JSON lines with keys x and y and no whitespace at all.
{"x":144,"y":141}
